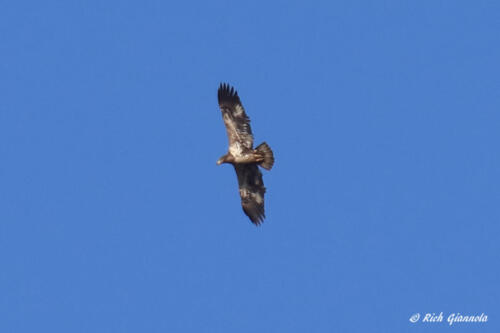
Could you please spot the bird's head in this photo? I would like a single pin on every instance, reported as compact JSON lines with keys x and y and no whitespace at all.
{"x":224,"y":159}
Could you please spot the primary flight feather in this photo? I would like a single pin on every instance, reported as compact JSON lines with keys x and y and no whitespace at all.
{"x":241,"y":154}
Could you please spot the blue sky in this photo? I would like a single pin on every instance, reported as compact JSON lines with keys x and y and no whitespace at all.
{"x":383,"y":202}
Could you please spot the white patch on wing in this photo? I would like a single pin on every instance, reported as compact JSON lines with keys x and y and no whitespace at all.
{"x":237,"y":127}
{"x":248,"y":143}
{"x":235,"y":149}
{"x":258,"y":198}
{"x":238,"y":110}
{"x":229,"y":122}
{"x":231,"y":126}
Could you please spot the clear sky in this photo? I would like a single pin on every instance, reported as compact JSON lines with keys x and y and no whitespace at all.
{"x":383,"y":202}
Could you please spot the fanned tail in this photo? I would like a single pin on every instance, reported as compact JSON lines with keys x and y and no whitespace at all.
{"x":268,"y":155}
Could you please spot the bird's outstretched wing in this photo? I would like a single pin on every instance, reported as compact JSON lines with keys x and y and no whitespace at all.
{"x":237,"y":122}
{"x":251,"y":191}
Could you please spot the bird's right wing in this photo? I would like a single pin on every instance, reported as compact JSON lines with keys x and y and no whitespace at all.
{"x":251,"y":191}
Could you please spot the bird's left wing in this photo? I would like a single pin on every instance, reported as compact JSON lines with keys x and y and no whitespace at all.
{"x":237,"y":122}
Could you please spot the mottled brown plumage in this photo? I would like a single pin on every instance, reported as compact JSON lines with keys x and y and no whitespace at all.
{"x":241,"y":154}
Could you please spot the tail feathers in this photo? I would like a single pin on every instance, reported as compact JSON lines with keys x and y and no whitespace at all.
{"x":266,"y":151}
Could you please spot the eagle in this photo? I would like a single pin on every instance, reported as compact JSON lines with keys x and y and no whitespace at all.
{"x":241,"y":154}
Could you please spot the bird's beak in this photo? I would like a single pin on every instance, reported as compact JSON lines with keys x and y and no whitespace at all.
{"x":219,"y":162}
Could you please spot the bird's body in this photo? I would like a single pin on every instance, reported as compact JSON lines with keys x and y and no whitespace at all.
{"x":241,"y":154}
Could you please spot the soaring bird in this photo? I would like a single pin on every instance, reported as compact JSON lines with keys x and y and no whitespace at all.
{"x":241,"y":154}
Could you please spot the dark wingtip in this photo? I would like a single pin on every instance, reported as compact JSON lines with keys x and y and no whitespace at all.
{"x":255,"y":214}
{"x":227,"y":94}
{"x":258,"y":222}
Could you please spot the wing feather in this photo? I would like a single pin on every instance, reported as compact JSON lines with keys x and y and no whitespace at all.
{"x":235,"y":119}
{"x":251,"y":191}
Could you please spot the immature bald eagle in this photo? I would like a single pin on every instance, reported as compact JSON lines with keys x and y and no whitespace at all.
{"x":242,"y":156}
